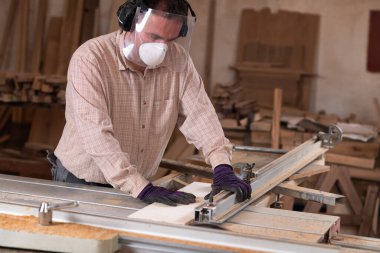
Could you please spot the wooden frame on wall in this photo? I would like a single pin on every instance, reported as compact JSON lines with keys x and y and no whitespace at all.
{"x":373,"y":57}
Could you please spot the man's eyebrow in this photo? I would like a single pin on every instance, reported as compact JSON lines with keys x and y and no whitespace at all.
{"x":162,"y":38}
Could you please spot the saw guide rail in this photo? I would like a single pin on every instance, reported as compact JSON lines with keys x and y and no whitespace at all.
{"x":109,"y":208}
{"x":224,"y":204}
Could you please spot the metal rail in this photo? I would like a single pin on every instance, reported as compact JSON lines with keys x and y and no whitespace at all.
{"x":224,"y":204}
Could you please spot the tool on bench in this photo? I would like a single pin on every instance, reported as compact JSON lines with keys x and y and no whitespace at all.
{"x":45,"y":213}
{"x":224,"y":204}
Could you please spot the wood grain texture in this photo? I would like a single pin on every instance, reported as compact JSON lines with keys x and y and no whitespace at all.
{"x":368,"y":163}
{"x":38,"y":37}
{"x":7,"y":31}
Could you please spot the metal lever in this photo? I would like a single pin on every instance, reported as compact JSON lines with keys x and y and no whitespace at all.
{"x":45,"y":213}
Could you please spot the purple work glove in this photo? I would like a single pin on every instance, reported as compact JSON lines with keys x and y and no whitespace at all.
{"x":224,"y":178}
{"x":159,"y":194}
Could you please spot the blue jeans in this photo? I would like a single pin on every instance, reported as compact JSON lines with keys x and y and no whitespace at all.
{"x":61,"y":174}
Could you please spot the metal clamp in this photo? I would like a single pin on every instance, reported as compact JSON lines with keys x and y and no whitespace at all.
{"x":330,"y":139}
{"x":45,"y":213}
{"x":246,"y":171}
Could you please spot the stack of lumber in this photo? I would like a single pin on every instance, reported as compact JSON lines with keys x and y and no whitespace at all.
{"x":229,"y":102}
{"x":235,"y":112}
{"x":32,"y":88}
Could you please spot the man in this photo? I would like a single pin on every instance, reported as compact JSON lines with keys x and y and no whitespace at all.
{"x":125,"y":94}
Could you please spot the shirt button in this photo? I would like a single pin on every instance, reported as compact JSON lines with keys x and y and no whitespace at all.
{"x":143,"y":126}
{"x":141,"y":150}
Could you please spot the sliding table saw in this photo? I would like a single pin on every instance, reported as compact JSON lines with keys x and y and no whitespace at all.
{"x":220,"y":225}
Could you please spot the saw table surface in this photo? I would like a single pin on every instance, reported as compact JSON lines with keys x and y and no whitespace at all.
{"x":110,"y":208}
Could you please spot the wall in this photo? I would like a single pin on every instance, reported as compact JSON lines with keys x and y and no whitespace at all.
{"x":343,"y":86}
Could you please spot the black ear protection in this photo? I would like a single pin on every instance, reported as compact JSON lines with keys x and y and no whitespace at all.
{"x":126,"y":13}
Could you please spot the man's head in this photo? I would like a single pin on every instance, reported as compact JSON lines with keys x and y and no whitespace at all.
{"x":126,"y":12}
{"x":154,"y":29}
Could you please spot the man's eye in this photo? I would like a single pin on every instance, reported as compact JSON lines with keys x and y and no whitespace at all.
{"x":154,"y":37}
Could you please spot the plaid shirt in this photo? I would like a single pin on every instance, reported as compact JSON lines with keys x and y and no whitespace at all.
{"x":119,"y":120}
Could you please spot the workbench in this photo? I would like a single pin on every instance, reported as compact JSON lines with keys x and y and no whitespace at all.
{"x":251,"y":226}
{"x":109,"y":208}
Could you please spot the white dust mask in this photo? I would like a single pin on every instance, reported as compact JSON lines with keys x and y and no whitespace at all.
{"x":152,"y":54}
{"x":127,"y":51}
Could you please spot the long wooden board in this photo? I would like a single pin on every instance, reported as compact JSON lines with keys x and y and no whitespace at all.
{"x":253,"y":220}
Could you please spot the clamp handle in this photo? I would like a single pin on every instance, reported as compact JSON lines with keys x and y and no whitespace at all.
{"x":45,"y":212}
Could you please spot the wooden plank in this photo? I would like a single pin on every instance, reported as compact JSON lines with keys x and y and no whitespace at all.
{"x":294,"y":214}
{"x":50,"y":62}
{"x":209,"y":44}
{"x":70,"y":33}
{"x":22,"y":40}
{"x":371,"y":175}
{"x":376,"y":104}
{"x":283,"y":220}
{"x":357,"y":149}
{"x":38,"y":36}
{"x":307,"y":194}
{"x":360,"y":162}
{"x":90,"y":22}
{"x":7,"y":30}
{"x":368,"y":210}
{"x":349,"y":191}
{"x":324,"y":183}
{"x":113,"y":23}
{"x":287,"y":203}
{"x":77,"y":26}
{"x":310,"y":170}
{"x":356,"y":242}
{"x":270,"y":232}
{"x":275,"y":133}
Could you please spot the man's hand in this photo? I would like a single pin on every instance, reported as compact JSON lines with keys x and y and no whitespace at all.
{"x":152,"y":194}
{"x":225,"y":179}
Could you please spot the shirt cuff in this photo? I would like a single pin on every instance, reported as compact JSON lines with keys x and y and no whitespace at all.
{"x":219,"y":158}
{"x":134,"y":185}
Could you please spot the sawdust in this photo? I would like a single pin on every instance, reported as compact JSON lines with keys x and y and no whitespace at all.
{"x":30,"y":224}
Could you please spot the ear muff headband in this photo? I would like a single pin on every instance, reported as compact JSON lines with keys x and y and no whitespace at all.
{"x":126,"y":13}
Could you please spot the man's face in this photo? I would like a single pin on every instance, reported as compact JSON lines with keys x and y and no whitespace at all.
{"x":160,"y":29}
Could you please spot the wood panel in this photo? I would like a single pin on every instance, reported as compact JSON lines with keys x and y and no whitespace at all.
{"x":53,"y":39}
{"x":373,"y":58}
{"x":38,"y":37}
{"x":7,"y":30}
